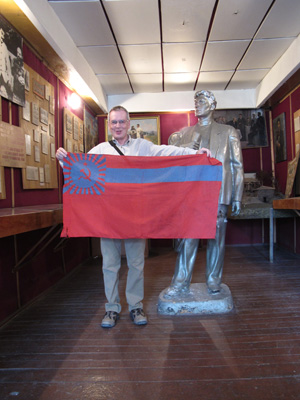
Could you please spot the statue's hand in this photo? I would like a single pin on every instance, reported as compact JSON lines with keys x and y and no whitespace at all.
{"x":204,"y":150}
{"x":236,"y":208}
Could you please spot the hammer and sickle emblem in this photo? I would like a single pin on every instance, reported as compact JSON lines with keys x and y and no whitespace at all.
{"x":86,"y":176}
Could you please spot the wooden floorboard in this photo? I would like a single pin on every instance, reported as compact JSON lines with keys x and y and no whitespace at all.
{"x":56,"y":350}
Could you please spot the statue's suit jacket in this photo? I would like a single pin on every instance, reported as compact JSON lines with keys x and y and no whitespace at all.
{"x":225,"y":146}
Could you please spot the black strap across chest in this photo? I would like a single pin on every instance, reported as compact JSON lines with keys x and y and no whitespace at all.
{"x":113,"y":144}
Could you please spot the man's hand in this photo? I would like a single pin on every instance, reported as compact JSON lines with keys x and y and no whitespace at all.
{"x":203,"y":150}
{"x":236,"y":208}
{"x":61,"y":153}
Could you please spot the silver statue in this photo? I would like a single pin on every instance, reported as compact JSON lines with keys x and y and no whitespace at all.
{"x":224,"y":144}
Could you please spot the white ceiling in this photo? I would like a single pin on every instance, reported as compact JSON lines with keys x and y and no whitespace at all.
{"x":153,"y":46}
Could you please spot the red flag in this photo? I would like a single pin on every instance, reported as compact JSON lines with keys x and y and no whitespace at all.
{"x":140,"y":197}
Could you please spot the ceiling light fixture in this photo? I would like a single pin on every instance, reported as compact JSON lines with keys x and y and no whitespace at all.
{"x":74,"y":101}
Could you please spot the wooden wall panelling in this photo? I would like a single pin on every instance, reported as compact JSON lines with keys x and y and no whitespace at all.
{"x":38,"y":121}
{"x":2,"y":184}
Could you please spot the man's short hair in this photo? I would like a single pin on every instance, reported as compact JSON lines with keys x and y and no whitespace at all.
{"x":119,"y":108}
{"x":206,"y":93}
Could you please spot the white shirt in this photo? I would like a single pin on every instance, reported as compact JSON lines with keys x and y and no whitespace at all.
{"x":141,"y":147}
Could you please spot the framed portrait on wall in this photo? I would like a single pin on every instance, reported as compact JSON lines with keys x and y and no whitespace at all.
{"x":145,"y":128}
{"x":250,"y":124}
{"x":279,"y":136}
{"x":12,"y":75}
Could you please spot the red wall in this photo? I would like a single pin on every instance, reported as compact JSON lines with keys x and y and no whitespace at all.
{"x":286,"y":228}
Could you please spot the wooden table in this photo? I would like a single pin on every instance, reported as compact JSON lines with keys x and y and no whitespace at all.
{"x":14,"y":221}
{"x":293,"y":203}
{"x":265,"y":211}
{"x":25,"y":219}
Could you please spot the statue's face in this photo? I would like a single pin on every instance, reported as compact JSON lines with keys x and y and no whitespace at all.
{"x":203,"y":106}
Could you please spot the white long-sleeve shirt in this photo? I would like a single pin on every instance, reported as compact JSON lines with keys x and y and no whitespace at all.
{"x":141,"y":147}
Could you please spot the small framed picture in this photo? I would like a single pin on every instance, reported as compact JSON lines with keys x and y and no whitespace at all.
{"x":279,"y":138}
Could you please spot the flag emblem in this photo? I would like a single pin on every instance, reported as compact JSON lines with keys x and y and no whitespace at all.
{"x":84,"y":174}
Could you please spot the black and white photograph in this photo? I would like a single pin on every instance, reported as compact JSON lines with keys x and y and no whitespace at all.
{"x":279,"y":138}
{"x":12,"y":76}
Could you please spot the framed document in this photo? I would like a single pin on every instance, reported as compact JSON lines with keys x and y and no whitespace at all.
{"x":28,"y":145}
{"x":34,"y":113}
{"x":45,"y":149}
{"x":32,"y":173}
{"x":26,"y":111}
{"x":38,"y":88}
{"x":42,"y":175}
{"x":47,"y":173}
{"x":43,"y":116}
{"x":37,"y":154}
{"x":69,"y":123}
{"x":36,"y":135}
{"x":52,"y":150}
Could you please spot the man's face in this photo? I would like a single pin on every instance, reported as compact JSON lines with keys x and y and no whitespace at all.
{"x":202,"y":106}
{"x":118,"y":124}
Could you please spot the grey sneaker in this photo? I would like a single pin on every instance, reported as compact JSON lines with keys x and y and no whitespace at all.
{"x":138,"y":316}
{"x":110,"y":319}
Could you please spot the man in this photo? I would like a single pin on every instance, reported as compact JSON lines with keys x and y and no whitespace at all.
{"x":224,"y":144}
{"x":139,"y":131}
{"x":6,"y":78}
{"x":119,"y":124}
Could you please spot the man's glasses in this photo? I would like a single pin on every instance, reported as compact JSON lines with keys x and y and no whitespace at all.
{"x":120,"y":122}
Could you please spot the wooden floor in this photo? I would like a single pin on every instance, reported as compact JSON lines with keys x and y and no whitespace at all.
{"x":56,"y":349}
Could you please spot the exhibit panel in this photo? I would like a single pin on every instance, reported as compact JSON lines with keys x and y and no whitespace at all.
{"x":37,"y":119}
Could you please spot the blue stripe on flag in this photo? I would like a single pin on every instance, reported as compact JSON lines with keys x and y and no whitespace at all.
{"x":171,"y":174}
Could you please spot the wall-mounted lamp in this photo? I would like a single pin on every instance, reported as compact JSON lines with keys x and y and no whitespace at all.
{"x":74,"y":101}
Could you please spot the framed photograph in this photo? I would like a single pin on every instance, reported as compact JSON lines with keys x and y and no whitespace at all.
{"x":147,"y":128}
{"x":12,"y":80}
{"x":250,"y":124}
{"x":279,"y":136}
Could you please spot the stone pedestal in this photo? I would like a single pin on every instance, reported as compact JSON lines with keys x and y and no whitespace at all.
{"x":197,"y":301}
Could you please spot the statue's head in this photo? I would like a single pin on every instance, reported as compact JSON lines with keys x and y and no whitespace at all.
{"x":205,"y":102}
{"x":207,"y":94}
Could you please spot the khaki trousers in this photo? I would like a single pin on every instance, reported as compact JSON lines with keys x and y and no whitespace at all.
{"x":135,"y":255}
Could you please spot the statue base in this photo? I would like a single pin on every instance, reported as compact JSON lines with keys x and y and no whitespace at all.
{"x":198,"y":300}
